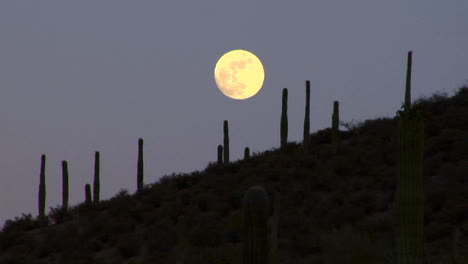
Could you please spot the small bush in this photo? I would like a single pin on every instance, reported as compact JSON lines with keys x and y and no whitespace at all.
{"x":59,"y":215}
{"x":128,"y":247}
{"x":347,"y":245}
{"x":24,"y":223}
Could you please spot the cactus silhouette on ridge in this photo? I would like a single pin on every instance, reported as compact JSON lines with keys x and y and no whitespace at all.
{"x":335,"y":130}
{"x":64,"y":185}
{"x":284,"y":119}
{"x":140,"y":165}
{"x":306,"y":134}
{"x":42,"y":188}
{"x":220,"y":154}
{"x":88,"y":199}
{"x":409,"y":195}
{"x":97,"y":180}
{"x":226,"y":141}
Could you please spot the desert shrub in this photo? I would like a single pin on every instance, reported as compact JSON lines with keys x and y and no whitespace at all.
{"x":207,"y":232}
{"x":24,"y":223}
{"x":204,"y":202}
{"x":437,"y":200}
{"x":234,"y":200}
{"x":128,"y":246}
{"x":347,"y":214}
{"x":153,"y":198}
{"x":184,"y":198}
{"x":161,"y":237}
{"x":182,"y":181}
{"x":347,"y":245}
{"x":19,"y":259}
{"x":364,"y":200}
{"x":59,"y":215}
{"x":306,"y":243}
{"x":436,"y":231}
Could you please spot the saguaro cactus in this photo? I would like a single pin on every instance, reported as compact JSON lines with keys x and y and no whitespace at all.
{"x":284,"y":118}
{"x":220,"y":154}
{"x":335,"y":122}
{"x":140,"y":165}
{"x":409,"y":198}
{"x":42,"y":188}
{"x":246,"y":153}
{"x":274,"y":254}
{"x":64,"y":185}
{"x":408,"y":80}
{"x":88,"y":200}
{"x":306,"y":140}
{"x":97,"y":181}
{"x":255,"y":244}
{"x":226,"y":142}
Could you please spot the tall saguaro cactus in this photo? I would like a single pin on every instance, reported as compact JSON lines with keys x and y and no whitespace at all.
{"x":220,"y":154}
{"x":284,"y":118}
{"x":335,"y":122}
{"x":408,"y":79}
{"x":140,"y":165}
{"x":226,"y":142}
{"x":97,"y":180}
{"x":306,"y":140}
{"x":42,"y":188}
{"x":88,"y":200}
{"x":255,"y":244}
{"x":247,"y":153}
{"x":409,"y":198}
{"x":64,"y":185}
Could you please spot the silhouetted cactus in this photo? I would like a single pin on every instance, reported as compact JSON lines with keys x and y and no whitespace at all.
{"x":42,"y":188}
{"x":97,"y":181}
{"x":284,"y":118}
{"x":182,"y":242}
{"x":306,"y":134}
{"x":88,"y":200}
{"x":246,"y":153}
{"x":255,"y":244}
{"x":226,"y":142}
{"x":274,"y":253}
{"x":409,"y":197}
{"x":408,"y":80}
{"x":64,"y":185}
{"x":140,"y":165}
{"x":335,"y":130}
{"x":220,"y":154}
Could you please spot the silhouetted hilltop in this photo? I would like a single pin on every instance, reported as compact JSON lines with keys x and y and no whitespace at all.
{"x":333,"y":206}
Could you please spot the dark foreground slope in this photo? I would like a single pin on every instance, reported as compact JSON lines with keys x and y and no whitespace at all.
{"x":333,"y":207}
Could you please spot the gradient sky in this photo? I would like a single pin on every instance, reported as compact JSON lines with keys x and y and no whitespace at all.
{"x":81,"y":76}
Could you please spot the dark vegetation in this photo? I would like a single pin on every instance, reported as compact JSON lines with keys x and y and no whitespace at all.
{"x":335,"y":208}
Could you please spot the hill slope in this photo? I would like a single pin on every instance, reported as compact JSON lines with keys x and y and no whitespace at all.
{"x":333,"y":207}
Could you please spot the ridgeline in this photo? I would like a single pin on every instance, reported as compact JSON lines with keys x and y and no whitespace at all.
{"x":334,"y":203}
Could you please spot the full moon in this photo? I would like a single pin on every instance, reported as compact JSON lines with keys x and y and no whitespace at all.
{"x":239,"y":74}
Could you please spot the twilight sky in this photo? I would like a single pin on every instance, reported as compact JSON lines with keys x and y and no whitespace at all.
{"x":81,"y":76}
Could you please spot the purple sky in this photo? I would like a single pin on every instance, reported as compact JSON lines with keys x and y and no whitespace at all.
{"x":81,"y":76}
